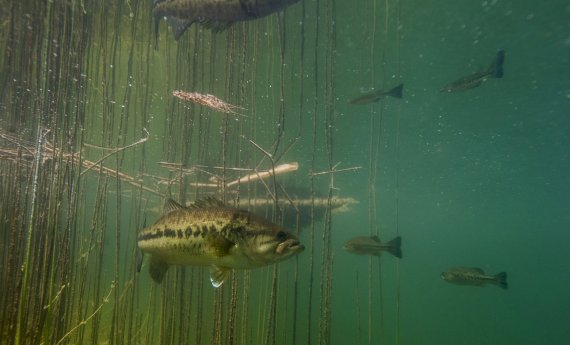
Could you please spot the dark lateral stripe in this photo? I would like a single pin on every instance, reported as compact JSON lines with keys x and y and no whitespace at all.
{"x":169,"y":233}
{"x":188,"y":232}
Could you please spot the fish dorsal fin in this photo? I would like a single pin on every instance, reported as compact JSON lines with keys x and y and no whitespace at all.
{"x":375,"y":238}
{"x":477,"y":269}
{"x":218,"y":275}
{"x":171,"y":205}
{"x":208,"y":202}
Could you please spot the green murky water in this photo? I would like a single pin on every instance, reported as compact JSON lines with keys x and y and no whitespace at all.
{"x":476,"y":178}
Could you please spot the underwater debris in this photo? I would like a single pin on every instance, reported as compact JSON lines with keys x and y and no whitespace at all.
{"x":260,"y":175}
{"x":207,"y":100}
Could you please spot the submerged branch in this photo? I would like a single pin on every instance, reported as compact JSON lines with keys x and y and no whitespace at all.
{"x":84,"y":322}
{"x":117,"y":150}
{"x":261,"y":175}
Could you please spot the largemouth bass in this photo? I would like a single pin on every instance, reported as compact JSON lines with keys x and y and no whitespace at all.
{"x":209,"y":233}
{"x":474,"y":276}
{"x":373,"y":246}
{"x":495,"y":70}
{"x":378,"y":95}
{"x":214,"y":14}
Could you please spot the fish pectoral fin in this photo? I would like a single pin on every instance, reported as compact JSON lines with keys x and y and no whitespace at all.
{"x":220,"y":244}
{"x":157,"y":269}
{"x":218,"y":275}
{"x":140,"y":257}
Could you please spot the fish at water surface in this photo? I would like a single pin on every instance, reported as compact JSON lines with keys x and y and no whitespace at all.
{"x":215,"y":14}
{"x":495,"y":70}
{"x":474,"y":276}
{"x":373,"y":246}
{"x":209,"y":233}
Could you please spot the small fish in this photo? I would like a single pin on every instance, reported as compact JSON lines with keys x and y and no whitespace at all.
{"x":474,"y":276}
{"x":373,"y":246}
{"x":209,"y":233}
{"x":378,"y":95}
{"x":213,"y":14}
{"x":476,"y":79}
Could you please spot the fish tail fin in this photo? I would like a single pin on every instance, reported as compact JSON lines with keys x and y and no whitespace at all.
{"x":496,"y":68}
{"x":394,"y":246}
{"x":397,"y":91}
{"x":501,"y":280}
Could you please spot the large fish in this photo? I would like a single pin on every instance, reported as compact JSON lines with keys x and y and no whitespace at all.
{"x":209,"y":233}
{"x":474,"y":276}
{"x":378,"y":95}
{"x":476,"y":79}
{"x":373,"y":246}
{"x":214,"y":14}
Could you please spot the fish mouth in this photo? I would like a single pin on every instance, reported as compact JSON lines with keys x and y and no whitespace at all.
{"x":291,"y":246}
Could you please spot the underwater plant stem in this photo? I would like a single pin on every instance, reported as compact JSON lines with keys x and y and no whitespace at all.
{"x":26,"y":264}
{"x":117,"y":150}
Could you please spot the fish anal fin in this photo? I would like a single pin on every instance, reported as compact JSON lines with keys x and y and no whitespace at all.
{"x":218,"y":275}
{"x":157,"y":269}
{"x":179,"y":26}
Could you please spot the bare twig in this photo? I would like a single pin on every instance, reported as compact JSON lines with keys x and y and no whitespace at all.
{"x":84,"y":322}
{"x":142,"y":140}
{"x":334,"y":170}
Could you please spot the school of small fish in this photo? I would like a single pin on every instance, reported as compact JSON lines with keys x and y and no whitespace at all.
{"x":210,"y":233}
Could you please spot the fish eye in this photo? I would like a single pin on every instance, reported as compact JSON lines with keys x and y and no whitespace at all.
{"x":281,"y":235}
